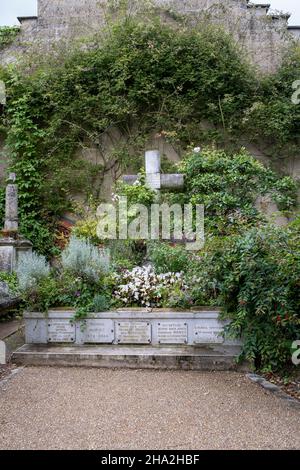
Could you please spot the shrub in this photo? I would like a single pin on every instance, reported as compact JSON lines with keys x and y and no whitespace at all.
{"x":7,"y":35}
{"x":8,"y":284}
{"x":31,"y":269}
{"x":138,"y":193}
{"x":84,"y":259}
{"x":101,"y":303}
{"x":86,"y":229}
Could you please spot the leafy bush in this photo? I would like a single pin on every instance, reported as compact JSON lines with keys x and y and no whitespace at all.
{"x":31,"y":269}
{"x":273,"y":107}
{"x":42,"y":295}
{"x":126,"y":254}
{"x":228,"y":186}
{"x":7,"y":35}
{"x":142,"y":287}
{"x":87,"y":229}
{"x":166,"y":258}
{"x":9,"y":283}
{"x":140,"y":77}
{"x":84,"y":259}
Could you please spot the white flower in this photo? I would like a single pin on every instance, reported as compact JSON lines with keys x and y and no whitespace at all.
{"x":197,"y":149}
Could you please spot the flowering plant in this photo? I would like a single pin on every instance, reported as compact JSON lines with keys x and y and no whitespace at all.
{"x":143,"y":287}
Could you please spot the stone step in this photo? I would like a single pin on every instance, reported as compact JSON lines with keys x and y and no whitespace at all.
{"x":134,"y":357}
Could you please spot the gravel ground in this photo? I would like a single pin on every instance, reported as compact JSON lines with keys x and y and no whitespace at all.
{"x":57,"y":408}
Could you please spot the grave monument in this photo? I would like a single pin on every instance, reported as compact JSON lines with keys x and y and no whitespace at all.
{"x":12,"y":244}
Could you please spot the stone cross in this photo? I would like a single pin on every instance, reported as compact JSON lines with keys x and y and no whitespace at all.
{"x":2,"y":353}
{"x":154,"y":178}
{"x":11,"y":205}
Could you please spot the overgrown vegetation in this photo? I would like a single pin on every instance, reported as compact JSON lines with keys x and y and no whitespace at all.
{"x":273,"y":118}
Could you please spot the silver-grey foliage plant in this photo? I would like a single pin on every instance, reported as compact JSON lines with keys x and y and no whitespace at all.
{"x":31,"y":269}
{"x":84,"y":259}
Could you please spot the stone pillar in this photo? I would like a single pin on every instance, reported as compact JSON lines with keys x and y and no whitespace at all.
{"x":11,"y":205}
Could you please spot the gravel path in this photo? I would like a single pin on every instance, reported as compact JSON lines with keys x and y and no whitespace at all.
{"x":56,"y":408}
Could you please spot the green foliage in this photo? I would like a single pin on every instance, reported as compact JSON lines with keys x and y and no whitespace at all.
{"x":101,"y":303}
{"x":31,"y":269}
{"x":78,"y":282}
{"x":138,"y":193}
{"x":126,"y":254}
{"x":8,"y":35}
{"x":255,"y":277}
{"x":87,"y":229}
{"x":11,"y":280}
{"x":273,"y":116}
{"x":42,"y":295}
{"x":166,"y":258}
{"x":229,"y":185}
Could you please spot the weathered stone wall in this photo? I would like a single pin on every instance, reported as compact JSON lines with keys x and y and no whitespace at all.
{"x":263,"y":36}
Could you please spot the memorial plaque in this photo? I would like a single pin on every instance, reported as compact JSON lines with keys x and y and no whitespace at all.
{"x":133,"y":332}
{"x":99,"y":331}
{"x":172,"y":332}
{"x":61,"y":331}
{"x":208,"y":332}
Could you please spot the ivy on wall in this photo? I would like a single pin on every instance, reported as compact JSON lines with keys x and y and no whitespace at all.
{"x":8,"y":35}
{"x":273,"y":116}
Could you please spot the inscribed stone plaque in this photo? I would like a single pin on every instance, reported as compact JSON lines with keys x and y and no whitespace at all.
{"x":133,"y":332}
{"x":99,"y":331}
{"x":61,"y":331}
{"x":208,"y":331}
{"x":172,"y":332}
